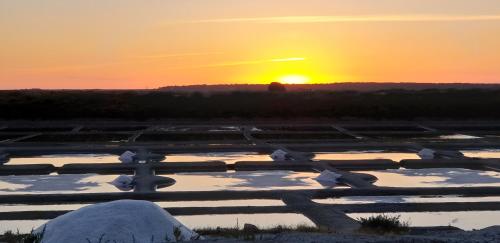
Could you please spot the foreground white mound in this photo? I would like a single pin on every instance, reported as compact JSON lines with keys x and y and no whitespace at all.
{"x":119,"y":221}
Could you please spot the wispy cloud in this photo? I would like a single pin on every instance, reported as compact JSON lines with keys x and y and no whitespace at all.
{"x":354,"y":18}
{"x":242,"y":63}
{"x":163,"y":56}
{"x":290,"y":59}
{"x":124,"y":61}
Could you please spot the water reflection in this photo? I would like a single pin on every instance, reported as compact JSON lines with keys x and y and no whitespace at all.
{"x":88,"y":183}
{"x":484,"y":154}
{"x":404,"y":199}
{"x":365,"y":155}
{"x":62,"y":159}
{"x":436,"y":177}
{"x":266,"y":180}
{"x":229,"y":158}
{"x":458,"y":137}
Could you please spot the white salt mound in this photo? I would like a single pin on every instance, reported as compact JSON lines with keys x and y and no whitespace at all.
{"x":124,"y":221}
{"x":4,"y":158}
{"x":254,"y":129}
{"x":328,"y":178}
{"x":427,"y":154}
{"x":279,"y":155}
{"x":123,"y":183}
{"x":128,"y":157}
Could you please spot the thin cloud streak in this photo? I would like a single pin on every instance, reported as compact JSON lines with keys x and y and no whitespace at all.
{"x":368,"y":18}
{"x":242,"y":63}
{"x":178,"y":55}
{"x":291,"y":59}
{"x":129,"y":60}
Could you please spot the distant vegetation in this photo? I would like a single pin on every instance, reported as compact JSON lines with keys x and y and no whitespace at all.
{"x":141,"y":105}
{"x":364,"y":87}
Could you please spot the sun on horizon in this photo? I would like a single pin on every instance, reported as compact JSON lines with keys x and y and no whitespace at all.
{"x":294,"y":79}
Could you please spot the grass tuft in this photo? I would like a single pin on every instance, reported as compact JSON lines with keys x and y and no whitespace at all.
{"x":11,"y":237}
{"x":384,"y":224}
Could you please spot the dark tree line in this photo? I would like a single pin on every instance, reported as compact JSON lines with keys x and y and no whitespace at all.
{"x":140,"y":105}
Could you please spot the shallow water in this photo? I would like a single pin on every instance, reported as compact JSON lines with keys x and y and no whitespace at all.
{"x":457,"y":137}
{"x":436,"y":177}
{"x":261,"y":180}
{"x":366,"y":155}
{"x":92,"y":183}
{"x":484,"y":154}
{"x":404,"y":199}
{"x":229,"y":158}
{"x":48,"y":184}
{"x":62,"y":159}
{"x":464,"y":220}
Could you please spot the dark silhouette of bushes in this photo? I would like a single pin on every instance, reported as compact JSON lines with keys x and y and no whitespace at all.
{"x":140,"y":105}
{"x":276,"y":87}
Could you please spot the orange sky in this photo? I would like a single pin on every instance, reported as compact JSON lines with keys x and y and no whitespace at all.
{"x":148,"y":44}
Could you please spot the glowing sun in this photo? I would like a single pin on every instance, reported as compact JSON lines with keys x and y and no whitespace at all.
{"x":294,"y":79}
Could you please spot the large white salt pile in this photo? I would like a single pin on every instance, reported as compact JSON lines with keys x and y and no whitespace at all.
{"x":328,"y":178}
{"x":124,"y":221}
{"x":128,"y":157}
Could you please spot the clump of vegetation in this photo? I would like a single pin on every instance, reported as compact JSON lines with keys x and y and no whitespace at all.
{"x":276,"y":87}
{"x":236,"y":232}
{"x":11,"y":237}
{"x":384,"y":224}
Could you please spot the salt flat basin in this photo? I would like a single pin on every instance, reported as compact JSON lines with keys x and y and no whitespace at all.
{"x":484,"y":154}
{"x":458,"y":137}
{"x":92,"y":183}
{"x":48,"y":184}
{"x":62,"y":159}
{"x":365,"y":155}
{"x":436,"y":177}
{"x":404,"y":199}
{"x":243,"y":180}
{"x":228,"y":157}
{"x":465,"y":220}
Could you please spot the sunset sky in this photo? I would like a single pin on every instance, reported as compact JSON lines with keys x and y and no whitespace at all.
{"x":154,"y":43}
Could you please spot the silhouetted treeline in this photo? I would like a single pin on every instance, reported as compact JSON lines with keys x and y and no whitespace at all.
{"x":140,"y":105}
{"x":363,"y":87}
